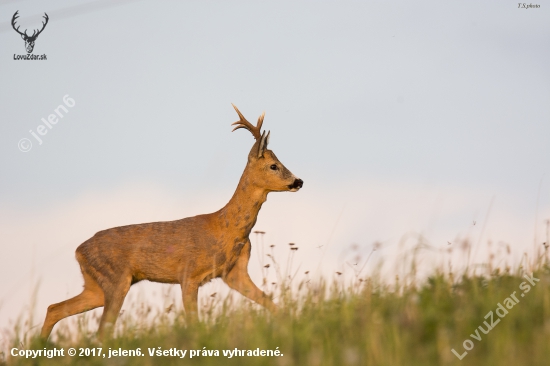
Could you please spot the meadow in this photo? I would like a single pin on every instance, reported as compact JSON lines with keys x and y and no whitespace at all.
{"x":488,"y":315}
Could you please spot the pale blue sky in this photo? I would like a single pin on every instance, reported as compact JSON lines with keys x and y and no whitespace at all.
{"x":398,"y":116}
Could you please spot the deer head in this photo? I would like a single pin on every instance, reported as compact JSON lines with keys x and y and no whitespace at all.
{"x":29,"y":40}
{"x":266,"y":170}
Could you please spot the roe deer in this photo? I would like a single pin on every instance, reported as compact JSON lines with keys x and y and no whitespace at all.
{"x":190,"y":251}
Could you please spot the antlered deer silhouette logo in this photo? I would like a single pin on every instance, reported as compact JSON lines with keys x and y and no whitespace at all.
{"x":29,"y":40}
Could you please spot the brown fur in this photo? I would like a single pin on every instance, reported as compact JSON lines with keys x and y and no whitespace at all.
{"x":190,"y":251}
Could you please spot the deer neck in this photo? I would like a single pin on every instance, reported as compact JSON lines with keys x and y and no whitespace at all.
{"x":241,"y":212}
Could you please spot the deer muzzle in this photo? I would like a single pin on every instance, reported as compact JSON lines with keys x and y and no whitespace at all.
{"x":296,"y":185}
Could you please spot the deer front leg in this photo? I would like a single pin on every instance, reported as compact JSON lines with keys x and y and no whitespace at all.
{"x":238,"y":279}
{"x":189,"y":292}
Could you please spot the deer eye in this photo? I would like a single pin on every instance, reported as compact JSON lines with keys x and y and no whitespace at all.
{"x":273,"y":167}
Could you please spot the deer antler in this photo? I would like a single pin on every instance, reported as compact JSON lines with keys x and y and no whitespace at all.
{"x":34,"y":34}
{"x":43,"y":25}
{"x":13,"y":19}
{"x":243,"y":123}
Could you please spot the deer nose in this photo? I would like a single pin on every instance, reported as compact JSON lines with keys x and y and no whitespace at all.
{"x":298,"y":183}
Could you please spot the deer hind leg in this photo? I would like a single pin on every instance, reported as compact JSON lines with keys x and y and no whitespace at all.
{"x":114,"y":298}
{"x":90,"y":298}
{"x":238,"y":279}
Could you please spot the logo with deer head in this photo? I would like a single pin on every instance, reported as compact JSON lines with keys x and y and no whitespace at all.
{"x":29,"y":40}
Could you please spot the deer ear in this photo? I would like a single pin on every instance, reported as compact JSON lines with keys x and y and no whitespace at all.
{"x":23,"y":36}
{"x":263,"y":144}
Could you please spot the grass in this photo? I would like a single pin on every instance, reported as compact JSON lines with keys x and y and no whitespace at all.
{"x":363,"y":322}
